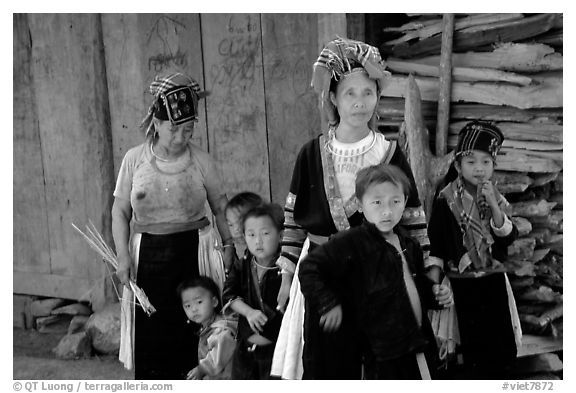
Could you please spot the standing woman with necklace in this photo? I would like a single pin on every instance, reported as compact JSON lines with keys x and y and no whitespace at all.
{"x":349,"y":76}
{"x":159,"y":206}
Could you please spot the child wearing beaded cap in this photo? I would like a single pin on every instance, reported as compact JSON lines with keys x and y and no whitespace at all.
{"x":469,"y":234}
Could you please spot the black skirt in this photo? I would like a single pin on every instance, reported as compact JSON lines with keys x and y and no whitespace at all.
{"x":165,"y":345}
{"x":484,"y":321}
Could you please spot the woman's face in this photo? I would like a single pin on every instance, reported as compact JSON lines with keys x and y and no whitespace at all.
{"x":355,"y":98}
{"x":173,"y":138}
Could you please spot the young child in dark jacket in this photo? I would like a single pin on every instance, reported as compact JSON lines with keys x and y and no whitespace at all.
{"x":469,"y":234}
{"x":370,"y":281}
{"x":251,"y":290}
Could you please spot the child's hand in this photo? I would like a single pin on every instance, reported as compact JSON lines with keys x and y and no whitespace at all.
{"x":256,"y":319}
{"x":443,"y":295}
{"x":331,"y":321}
{"x":195,"y":373}
{"x":283,"y":295}
{"x":487,"y":191}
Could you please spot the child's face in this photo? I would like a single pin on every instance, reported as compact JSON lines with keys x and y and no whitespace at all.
{"x":355,"y":99}
{"x":199,"y":304}
{"x":476,"y":168}
{"x":234,"y":221}
{"x":262,"y":237}
{"x":383,"y":205}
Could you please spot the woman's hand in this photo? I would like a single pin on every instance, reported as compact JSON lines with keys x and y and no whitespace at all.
{"x":331,"y":321}
{"x":228,"y":257}
{"x":256,"y":319}
{"x":125,"y":269}
{"x":443,"y":295}
{"x":284,"y":292}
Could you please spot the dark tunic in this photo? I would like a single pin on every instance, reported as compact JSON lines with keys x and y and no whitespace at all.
{"x":311,"y":212}
{"x":484,"y":319}
{"x":362,"y":272}
{"x":241,"y":283}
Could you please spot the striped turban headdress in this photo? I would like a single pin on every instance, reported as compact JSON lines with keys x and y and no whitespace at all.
{"x":176,"y":98}
{"x":341,"y":57}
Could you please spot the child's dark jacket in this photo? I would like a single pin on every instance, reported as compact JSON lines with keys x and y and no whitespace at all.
{"x":240,"y":283}
{"x":361,"y":271}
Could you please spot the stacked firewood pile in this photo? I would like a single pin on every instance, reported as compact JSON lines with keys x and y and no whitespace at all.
{"x":506,"y":68}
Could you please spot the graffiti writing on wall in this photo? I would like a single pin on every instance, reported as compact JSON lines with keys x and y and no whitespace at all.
{"x":164,"y":34}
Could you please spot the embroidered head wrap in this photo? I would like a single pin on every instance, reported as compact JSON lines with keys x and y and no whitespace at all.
{"x":479,"y":135}
{"x":175,"y":99}
{"x":339,"y":58}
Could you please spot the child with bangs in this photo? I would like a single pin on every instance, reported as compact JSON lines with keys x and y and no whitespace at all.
{"x":370,"y":281}
{"x":251,"y":290}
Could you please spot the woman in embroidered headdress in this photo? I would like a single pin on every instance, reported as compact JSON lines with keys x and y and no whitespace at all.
{"x":469,"y":235}
{"x":159,"y":206}
{"x":349,"y":76}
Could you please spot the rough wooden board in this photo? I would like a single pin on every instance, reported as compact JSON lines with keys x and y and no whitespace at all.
{"x":511,"y":182}
{"x":49,"y":284}
{"x":233,"y":67}
{"x":544,"y":95}
{"x":31,"y":247}
{"x":518,"y":162}
{"x":476,"y":37}
{"x":21,"y":311}
{"x":356,"y":27}
{"x":540,"y":361}
{"x":292,"y":116}
{"x":459,"y":74}
{"x":523,"y":224}
{"x":522,"y":131}
{"x":555,"y":157}
{"x":393,"y":107}
{"x":138,"y":47}
{"x":461,"y":23}
{"x":69,"y":79}
{"x":528,"y":57}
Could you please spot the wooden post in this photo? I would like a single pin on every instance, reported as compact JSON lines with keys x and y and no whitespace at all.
{"x":445,"y":84}
{"x":428,"y":170}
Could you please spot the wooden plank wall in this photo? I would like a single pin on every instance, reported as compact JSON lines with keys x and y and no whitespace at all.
{"x":81,"y":90}
{"x":72,"y":113}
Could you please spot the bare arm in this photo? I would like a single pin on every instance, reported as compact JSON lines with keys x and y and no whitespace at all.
{"x":218,"y":207}
{"x":121,"y":216}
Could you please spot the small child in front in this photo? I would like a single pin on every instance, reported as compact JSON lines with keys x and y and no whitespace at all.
{"x":201,"y":302}
{"x":251,"y":290}
{"x":370,"y":280}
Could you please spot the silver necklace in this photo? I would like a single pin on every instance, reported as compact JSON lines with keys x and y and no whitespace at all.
{"x":328,"y":146}
{"x":162,"y":158}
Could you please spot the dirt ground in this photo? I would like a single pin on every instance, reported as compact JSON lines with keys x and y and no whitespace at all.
{"x":33,"y":359}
